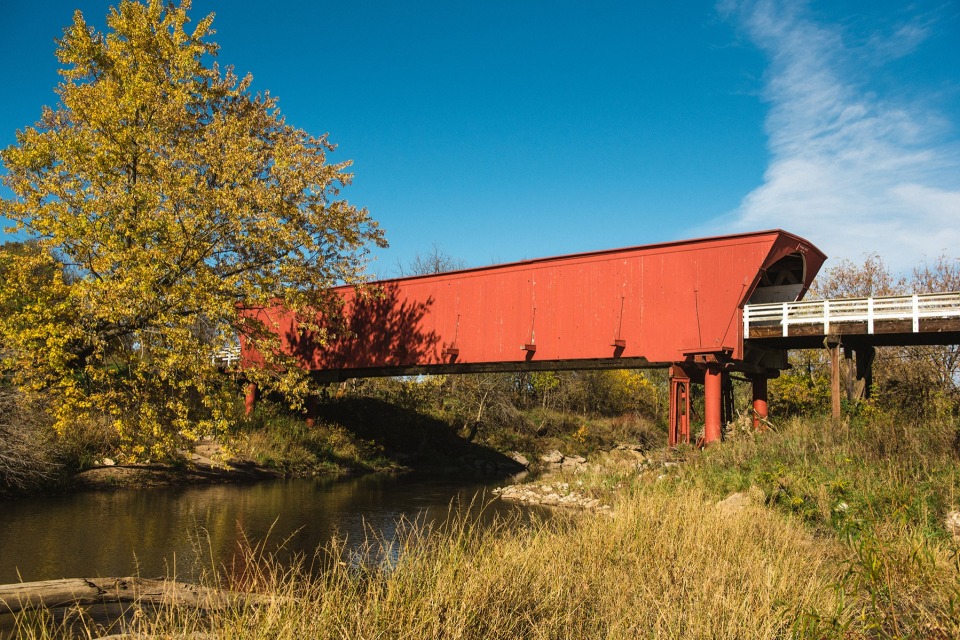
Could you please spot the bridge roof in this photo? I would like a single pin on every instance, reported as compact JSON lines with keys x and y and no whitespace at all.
{"x":647,"y":305}
{"x":672,"y":245}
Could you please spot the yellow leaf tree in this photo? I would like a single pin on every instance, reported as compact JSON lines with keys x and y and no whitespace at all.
{"x":169,"y":196}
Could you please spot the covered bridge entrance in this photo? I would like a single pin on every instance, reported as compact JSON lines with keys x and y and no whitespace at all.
{"x":676,"y":305}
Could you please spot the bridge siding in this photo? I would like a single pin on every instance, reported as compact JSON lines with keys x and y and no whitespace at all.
{"x":675,"y":297}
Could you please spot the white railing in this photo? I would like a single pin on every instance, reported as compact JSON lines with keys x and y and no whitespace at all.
{"x":842,"y":310}
{"x":227,"y":357}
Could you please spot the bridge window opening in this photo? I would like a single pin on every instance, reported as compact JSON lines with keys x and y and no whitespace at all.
{"x":782,"y":281}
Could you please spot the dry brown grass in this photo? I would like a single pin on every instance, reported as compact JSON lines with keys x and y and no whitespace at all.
{"x":835,"y":538}
{"x":668,"y":564}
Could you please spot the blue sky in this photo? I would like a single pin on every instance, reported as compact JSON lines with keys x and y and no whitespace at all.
{"x":509,"y":130}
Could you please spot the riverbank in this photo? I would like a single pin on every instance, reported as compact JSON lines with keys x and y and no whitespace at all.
{"x":353,"y":436}
{"x":187,"y":473}
{"x":550,"y":578}
{"x":212,"y":463}
{"x":816,"y":529}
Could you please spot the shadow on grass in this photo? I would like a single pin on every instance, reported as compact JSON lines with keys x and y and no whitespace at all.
{"x":357,"y":434}
{"x":411,"y":439}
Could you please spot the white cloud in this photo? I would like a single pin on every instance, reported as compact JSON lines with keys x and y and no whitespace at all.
{"x":850,"y":170}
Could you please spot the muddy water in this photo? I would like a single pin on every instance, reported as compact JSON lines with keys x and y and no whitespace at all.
{"x":182,"y":531}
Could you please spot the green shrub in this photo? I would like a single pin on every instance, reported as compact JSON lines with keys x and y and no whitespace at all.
{"x":284,"y":441}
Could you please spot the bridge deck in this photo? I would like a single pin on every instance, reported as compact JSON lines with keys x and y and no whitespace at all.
{"x":923,"y":319}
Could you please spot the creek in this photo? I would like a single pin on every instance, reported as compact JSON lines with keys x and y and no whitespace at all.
{"x":167,"y":532}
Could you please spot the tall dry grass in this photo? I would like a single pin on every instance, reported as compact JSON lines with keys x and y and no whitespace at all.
{"x":843,"y":537}
{"x":881,"y":485}
{"x":667,"y":564}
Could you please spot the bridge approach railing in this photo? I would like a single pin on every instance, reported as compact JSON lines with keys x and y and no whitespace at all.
{"x":227,"y":357}
{"x":872,"y":311}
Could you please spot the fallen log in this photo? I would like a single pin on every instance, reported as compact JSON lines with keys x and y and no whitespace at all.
{"x":183,"y":636}
{"x":67,"y":592}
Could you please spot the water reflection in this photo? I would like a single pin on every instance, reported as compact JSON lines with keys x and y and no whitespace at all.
{"x":181,"y":531}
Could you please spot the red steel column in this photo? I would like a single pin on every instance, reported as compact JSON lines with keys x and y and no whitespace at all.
{"x":760,"y":409}
{"x":250,"y":401}
{"x":679,"y":407}
{"x":712,"y":386}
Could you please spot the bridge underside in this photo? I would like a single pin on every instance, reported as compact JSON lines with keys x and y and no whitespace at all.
{"x":337,"y":375}
{"x":712,"y":370}
{"x":887,"y":333}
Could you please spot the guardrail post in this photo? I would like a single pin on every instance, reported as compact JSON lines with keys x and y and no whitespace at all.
{"x":784,"y":320}
{"x":826,"y":317}
{"x":870,"y":315}
{"x":916,"y":313}
{"x":746,"y":321}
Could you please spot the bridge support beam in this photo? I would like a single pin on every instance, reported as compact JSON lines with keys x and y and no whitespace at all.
{"x":865,"y":356}
{"x":833,"y":347}
{"x":760,"y":408}
{"x":679,"y":406}
{"x":727,"y":408}
{"x":712,"y":404}
{"x":250,"y":400}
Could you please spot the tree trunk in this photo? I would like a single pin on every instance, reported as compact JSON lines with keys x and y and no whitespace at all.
{"x":53,"y":594}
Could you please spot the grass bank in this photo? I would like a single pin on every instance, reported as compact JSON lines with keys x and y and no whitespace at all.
{"x":815,"y":529}
{"x":360,"y":434}
{"x":668,"y":564}
{"x":883,"y":485}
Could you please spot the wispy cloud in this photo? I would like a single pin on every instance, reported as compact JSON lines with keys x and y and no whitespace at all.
{"x":851,"y":170}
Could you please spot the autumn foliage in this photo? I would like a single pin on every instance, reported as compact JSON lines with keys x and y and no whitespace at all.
{"x":162,"y":195}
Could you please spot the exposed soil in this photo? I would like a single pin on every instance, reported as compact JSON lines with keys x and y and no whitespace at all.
{"x":206,"y":465}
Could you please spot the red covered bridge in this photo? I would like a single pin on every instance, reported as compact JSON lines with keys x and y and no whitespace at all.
{"x":676,"y":304}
